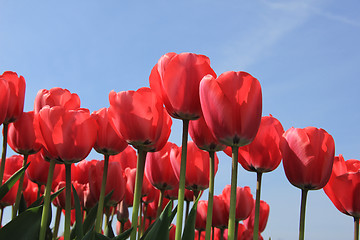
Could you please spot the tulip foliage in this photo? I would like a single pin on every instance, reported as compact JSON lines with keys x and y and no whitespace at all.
{"x":144,"y":171}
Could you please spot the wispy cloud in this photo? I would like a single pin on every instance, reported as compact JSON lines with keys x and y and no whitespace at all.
{"x":335,"y":17}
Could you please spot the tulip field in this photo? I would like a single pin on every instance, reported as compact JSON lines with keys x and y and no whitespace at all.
{"x":229,"y":133}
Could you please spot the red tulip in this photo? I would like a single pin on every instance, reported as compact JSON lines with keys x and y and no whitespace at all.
{"x":108,"y":141}
{"x":240,"y":230}
{"x":197,"y":170}
{"x":344,"y":185}
{"x":67,"y":135}
{"x":263,"y":153}
{"x":130,"y":185}
{"x":10,"y":196}
{"x":232,"y":106}
{"x":202,"y":136}
{"x":140,"y":118}
{"x":126,"y":158}
{"x":38,"y":169}
{"x":127,"y":226}
{"x":220,"y":215}
{"x":21,"y":135}
{"x":13,"y":164}
{"x":16,"y":95}
{"x":308,"y":156}
{"x":4,"y":99}
{"x":264,"y":215}
{"x":176,"y":78}
{"x":30,"y":193}
{"x":201,"y":213}
{"x":56,"y":97}
{"x":152,"y":207}
{"x":244,"y":201}
{"x":158,"y":169}
{"x":60,"y":199}
{"x":114,"y":181}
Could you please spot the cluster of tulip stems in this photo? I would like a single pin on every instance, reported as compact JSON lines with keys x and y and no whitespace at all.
{"x":221,"y":113}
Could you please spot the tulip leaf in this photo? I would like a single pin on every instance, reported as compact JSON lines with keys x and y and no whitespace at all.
{"x":40,"y":199}
{"x":22,"y":206}
{"x":91,"y":215}
{"x":24,"y":226}
{"x":123,"y":235}
{"x":11,"y":181}
{"x":109,"y":231}
{"x":77,"y":231}
{"x":189,"y":229}
{"x":160,"y":228}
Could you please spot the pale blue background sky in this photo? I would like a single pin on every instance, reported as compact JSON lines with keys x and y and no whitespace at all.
{"x":305,"y":54}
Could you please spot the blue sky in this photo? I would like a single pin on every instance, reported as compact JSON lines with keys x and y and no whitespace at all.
{"x":305,"y":54}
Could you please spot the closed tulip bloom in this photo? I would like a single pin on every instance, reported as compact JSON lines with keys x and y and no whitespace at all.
{"x":140,"y":118}
{"x":130,"y":184}
{"x":4,"y":99}
{"x":343,"y":186}
{"x":201,"y":213}
{"x":220,"y":216}
{"x":10,"y":196}
{"x":158,"y":169}
{"x":13,"y":164}
{"x":108,"y":141}
{"x":114,"y":182}
{"x":263,"y":153}
{"x":308,"y":156}
{"x":30,"y":193}
{"x":176,"y":78}
{"x":232,"y":106}
{"x":126,"y":158}
{"x":59,"y":201}
{"x":152,"y":208}
{"x":67,"y":135}
{"x":38,"y":169}
{"x":197,"y":170}
{"x":244,"y":201}
{"x":264,"y":215}
{"x":56,"y":97}
{"x":203,"y":137}
{"x":17,"y":87}
{"x":21,"y":135}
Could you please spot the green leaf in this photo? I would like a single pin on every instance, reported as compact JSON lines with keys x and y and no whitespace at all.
{"x":99,"y":236}
{"x":160,"y":228}
{"x":40,"y":199}
{"x":124,"y":235}
{"x":90,"y":235}
{"x":77,"y":231}
{"x":22,"y":206}
{"x":109,"y":231}
{"x":91,"y":215}
{"x":25,"y":226}
{"x":11,"y":181}
{"x":189,"y":229}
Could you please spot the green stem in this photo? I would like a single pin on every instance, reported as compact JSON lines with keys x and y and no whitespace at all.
{"x":211,"y":196}
{"x":1,"y":215}
{"x":160,"y":203}
{"x":181,"y":195}
{"x":99,"y":215}
{"x":107,"y":217}
{"x":302,"y":214}
{"x":232,"y":210}
{"x":356,"y":228}
{"x":67,"y":201}
{"x":142,"y":223}
{"x":212,"y":233}
{"x":121,"y":227}
{"x":46,"y":207}
{"x":236,"y":229}
{"x":19,"y":191}
{"x":137,"y":193}
{"x":3,"y":156}
{"x":199,"y":236}
{"x":39,"y":191}
{"x":257,"y":206}
{"x":222,"y":233}
{"x":57,"y":222}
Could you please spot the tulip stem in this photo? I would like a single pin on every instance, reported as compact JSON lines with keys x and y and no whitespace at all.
{"x":257,"y":206}
{"x":232,"y":210}
{"x":121,"y":227}
{"x":46,"y":206}
{"x":3,"y":156}
{"x":161,"y":200}
{"x":57,"y":222}
{"x":142,"y":224}
{"x":67,"y":201}
{"x":39,"y":191}
{"x":1,"y":215}
{"x":100,"y":210}
{"x":19,"y":191}
{"x":187,"y":209}
{"x":356,"y":228}
{"x":211,"y":196}
{"x":302,"y":214}
{"x":137,"y":192}
{"x":181,"y":195}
